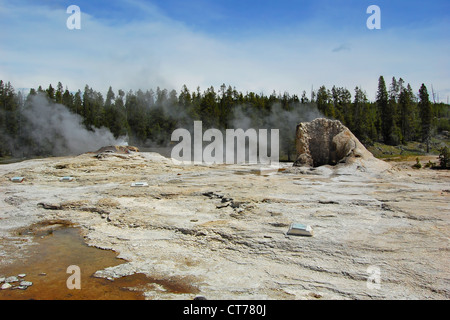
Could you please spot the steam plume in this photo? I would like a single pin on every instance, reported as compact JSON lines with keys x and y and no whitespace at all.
{"x":54,"y":128}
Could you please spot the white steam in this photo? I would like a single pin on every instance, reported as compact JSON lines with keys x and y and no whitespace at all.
{"x":55,"y":128}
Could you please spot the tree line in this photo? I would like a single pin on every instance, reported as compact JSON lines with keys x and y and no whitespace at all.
{"x":148,"y":118}
{"x":398,"y":115}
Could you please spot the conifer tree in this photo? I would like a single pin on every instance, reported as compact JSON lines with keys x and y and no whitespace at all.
{"x":386,"y":112}
{"x":407,"y":114}
{"x":59,"y":93}
{"x":425,"y":114}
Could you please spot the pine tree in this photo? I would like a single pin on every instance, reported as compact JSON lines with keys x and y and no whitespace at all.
{"x":92,"y":108}
{"x":78,"y":103}
{"x":341,"y":102}
{"x":186,"y":106}
{"x":9,"y":118}
{"x":136,"y":116}
{"x":120,"y":126}
{"x":185,"y":99}
{"x":50,"y":93}
{"x":209,"y":110}
{"x":110,"y":96}
{"x":365,"y":117}
{"x":407,"y":114}
{"x":226,"y":107}
{"x":161,"y":97}
{"x":3,"y":147}
{"x":324,"y":103}
{"x":304,"y":99}
{"x":425,"y":114}
{"x":386,"y":112}
{"x":59,"y":93}
{"x":393,"y":115}
{"x":67,"y":100}
{"x":8,"y":100}
{"x":87,"y":109}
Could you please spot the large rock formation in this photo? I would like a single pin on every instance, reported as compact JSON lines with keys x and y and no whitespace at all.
{"x":329,"y":142}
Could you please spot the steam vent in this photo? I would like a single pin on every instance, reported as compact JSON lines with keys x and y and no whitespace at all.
{"x":329,"y":142}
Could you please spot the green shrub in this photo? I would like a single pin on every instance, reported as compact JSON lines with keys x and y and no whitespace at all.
{"x":444,"y":158}
{"x":430,"y":164}
{"x":418,"y":165}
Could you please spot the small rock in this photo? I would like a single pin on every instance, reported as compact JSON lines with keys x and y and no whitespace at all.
{"x":11,"y":279}
{"x":22,"y":287}
{"x":22,"y":275}
{"x":26,"y":283}
{"x":209,"y":194}
{"x":50,"y":206}
{"x":315,"y":295}
{"x":2,"y":279}
{"x":279,"y":224}
{"x":6,"y":286}
{"x":235,"y":204}
{"x":328,"y":202}
{"x":42,"y":274}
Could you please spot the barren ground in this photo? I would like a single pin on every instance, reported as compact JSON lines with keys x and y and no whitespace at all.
{"x":396,"y":222}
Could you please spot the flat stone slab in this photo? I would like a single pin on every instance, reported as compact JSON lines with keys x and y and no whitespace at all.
{"x":298,"y":229}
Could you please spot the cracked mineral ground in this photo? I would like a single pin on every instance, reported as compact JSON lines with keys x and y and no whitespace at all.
{"x":220,"y":231}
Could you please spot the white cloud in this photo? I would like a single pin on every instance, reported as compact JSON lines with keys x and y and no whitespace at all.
{"x":39,"y":50}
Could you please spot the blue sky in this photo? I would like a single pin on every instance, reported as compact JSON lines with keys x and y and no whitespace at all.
{"x":253,"y":45}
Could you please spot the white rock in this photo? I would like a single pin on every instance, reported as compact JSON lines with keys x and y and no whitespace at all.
{"x":328,"y":142}
{"x":11,"y":279}
{"x":139,"y":184}
{"x":22,"y":275}
{"x":6,"y":286}
{"x":26,"y":283}
{"x":297,"y":229}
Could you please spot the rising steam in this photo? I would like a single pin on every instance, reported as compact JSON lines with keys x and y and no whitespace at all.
{"x":54,"y":128}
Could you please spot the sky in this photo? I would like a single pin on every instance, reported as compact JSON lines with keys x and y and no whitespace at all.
{"x":253,"y":45}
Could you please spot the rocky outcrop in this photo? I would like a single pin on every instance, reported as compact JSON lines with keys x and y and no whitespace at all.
{"x":115,"y":151}
{"x":329,"y":142}
{"x":118,"y":149}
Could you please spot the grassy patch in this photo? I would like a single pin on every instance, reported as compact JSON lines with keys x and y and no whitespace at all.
{"x":407,"y":152}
